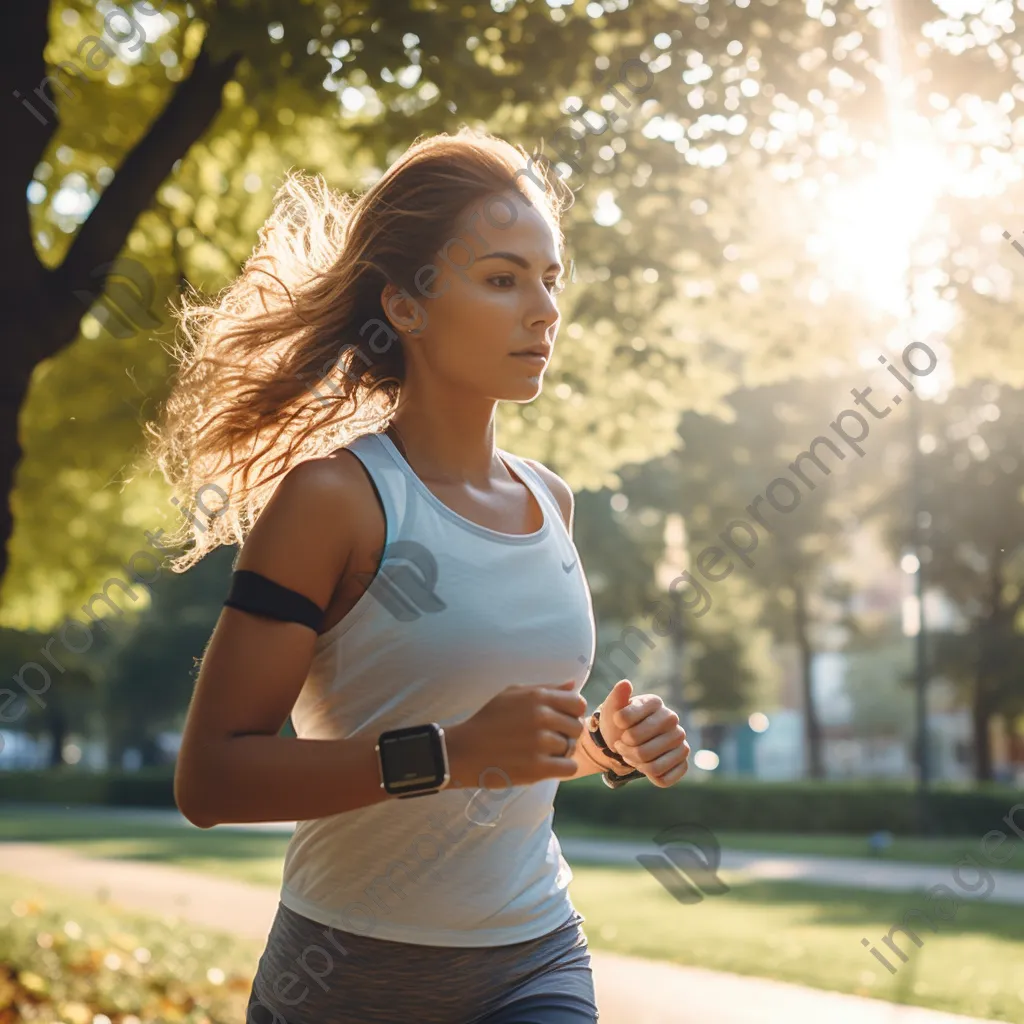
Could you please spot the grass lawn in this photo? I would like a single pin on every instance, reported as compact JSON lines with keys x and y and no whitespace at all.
{"x":943,"y":850}
{"x":110,"y":960}
{"x":794,"y":932}
{"x":811,"y":935}
{"x":262,"y":851}
{"x":255,"y":856}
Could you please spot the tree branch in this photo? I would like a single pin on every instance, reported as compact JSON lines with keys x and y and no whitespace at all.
{"x":26,"y":131}
{"x":186,"y":117}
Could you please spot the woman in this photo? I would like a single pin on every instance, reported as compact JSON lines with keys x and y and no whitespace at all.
{"x":411,"y":596}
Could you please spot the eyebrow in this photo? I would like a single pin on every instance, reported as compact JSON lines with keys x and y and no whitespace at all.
{"x":515,"y":258}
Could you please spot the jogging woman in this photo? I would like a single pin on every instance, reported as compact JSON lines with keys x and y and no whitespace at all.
{"x":407,"y":591}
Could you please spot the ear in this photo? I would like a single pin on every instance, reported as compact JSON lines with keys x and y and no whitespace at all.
{"x":404,"y":313}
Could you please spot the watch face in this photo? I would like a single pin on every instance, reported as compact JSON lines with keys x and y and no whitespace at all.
{"x":411,"y":759}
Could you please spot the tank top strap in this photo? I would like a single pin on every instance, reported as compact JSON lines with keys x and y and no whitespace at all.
{"x":391,"y":482}
{"x":539,"y":488}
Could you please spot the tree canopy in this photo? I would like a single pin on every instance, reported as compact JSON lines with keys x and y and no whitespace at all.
{"x":159,"y":137}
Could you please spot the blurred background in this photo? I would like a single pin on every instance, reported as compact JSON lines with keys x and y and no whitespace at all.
{"x":773,"y":200}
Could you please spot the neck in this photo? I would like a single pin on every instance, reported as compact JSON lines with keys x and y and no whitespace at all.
{"x":449,"y":446}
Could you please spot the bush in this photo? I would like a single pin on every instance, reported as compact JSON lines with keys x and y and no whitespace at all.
{"x":737,"y":805}
{"x":822,"y":807}
{"x":147,"y":787}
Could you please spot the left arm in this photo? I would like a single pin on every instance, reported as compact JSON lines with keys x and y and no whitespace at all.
{"x":666,"y":756}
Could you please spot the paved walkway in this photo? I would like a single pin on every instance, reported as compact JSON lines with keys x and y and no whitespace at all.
{"x":629,"y":990}
{"x":851,"y":872}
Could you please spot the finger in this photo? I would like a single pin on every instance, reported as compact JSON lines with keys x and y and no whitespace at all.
{"x":673,"y":776}
{"x":553,"y":743}
{"x":637,"y":710}
{"x":556,"y":763}
{"x":663,"y":743}
{"x":568,"y":725}
{"x":561,"y":700}
{"x":560,"y":767}
{"x":663,"y":765}
{"x":662,"y":720}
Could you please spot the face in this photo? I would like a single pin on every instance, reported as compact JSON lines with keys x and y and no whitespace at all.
{"x":489,"y":294}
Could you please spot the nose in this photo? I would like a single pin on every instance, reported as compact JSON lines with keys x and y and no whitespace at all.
{"x":546,"y":313}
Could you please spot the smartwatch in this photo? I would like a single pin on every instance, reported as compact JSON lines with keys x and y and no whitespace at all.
{"x":413,"y":761}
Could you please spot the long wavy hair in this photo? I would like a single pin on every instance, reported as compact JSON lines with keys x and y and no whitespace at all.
{"x":281,"y":365}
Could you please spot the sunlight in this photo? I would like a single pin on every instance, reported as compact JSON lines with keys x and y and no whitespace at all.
{"x":870,"y":225}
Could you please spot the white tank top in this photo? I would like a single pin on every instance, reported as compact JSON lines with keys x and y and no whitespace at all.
{"x":456,"y":613}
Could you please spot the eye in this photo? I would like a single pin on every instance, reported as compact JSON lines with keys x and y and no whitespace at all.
{"x":502,"y":277}
{"x":556,"y":287}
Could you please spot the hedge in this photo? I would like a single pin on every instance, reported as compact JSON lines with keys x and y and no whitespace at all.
{"x":739,"y":805}
{"x":857,"y":807}
{"x":147,"y":787}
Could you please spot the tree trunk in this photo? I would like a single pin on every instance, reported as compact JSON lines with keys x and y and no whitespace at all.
{"x":13,"y":390}
{"x":812,"y":727}
{"x":57,"y":727}
{"x":40,"y":307}
{"x":980,"y":718}
{"x":990,"y":651}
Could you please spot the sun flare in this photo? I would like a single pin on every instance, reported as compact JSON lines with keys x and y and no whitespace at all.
{"x":869,"y":225}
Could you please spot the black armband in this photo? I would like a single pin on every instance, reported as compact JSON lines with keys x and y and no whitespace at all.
{"x":253,"y":592}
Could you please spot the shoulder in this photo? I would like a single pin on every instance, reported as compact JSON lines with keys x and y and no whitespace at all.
{"x":329,"y":484}
{"x":319,"y":508}
{"x":558,"y":487}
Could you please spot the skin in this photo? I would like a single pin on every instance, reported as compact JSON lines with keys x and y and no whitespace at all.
{"x":322,"y":534}
{"x":458,"y":348}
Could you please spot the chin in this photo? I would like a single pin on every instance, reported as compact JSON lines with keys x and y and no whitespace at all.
{"x":523,"y":389}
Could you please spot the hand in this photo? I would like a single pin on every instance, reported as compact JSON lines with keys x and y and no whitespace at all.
{"x":646,"y":733}
{"x":517,"y":737}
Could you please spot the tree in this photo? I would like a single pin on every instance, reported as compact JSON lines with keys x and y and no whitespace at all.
{"x":45,"y":699}
{"x":786,"y":548}
{"x":164,"y":151}
{"x":150,"y":675}
{"x":973,"y":500}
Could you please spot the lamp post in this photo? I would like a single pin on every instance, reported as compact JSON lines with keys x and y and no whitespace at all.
{"x":903,"y":129}
{"x":921,"y":637}
{"x":674,"y":562}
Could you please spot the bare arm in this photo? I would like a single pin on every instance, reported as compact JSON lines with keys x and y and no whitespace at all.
{"x":233,"y":766}
{"x":589,"y":760}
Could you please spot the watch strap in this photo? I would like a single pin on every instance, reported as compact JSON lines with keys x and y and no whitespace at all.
{"x":610,"y":778}
{"x":613,"y":781}
{"x":594,"y":728}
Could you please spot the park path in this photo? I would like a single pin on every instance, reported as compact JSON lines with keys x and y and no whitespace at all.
{"x":850,"y":872}
{"x":629,"y":990}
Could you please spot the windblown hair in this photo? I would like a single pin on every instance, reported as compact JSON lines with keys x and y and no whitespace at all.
{"x":286,"y":363}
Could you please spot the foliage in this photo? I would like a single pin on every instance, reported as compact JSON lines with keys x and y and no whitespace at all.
{"x":66,"y":959}
{"x":167,"y":151}
{"x":151,"y":675}
{"x":971,"y":482}
{"x":878,"y":675}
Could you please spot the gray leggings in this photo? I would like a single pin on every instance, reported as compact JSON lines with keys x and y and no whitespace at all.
{"x":311,"y":973}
